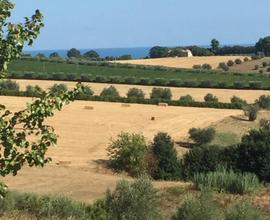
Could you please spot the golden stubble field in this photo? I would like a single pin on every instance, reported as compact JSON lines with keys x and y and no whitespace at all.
{"x":84,"y":136}
{"x":183,"y":62}
{"x":198,"y":94}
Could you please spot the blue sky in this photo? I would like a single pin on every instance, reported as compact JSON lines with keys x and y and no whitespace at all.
{"x":138,"y":23}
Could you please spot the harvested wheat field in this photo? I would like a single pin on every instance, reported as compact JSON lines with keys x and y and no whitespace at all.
{"x":183,"y":62}
{"x":224,"y":95}
{"x":85,"y":129}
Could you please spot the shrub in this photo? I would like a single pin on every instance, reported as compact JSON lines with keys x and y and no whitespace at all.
{"x":244,"y":211}
{"x":166,"y":155}
{"x":161,"y":93}
{"x":127,"y":153}
{"x":86,"y":93}
{"x":145,"y":81}
{"x":264,"y":102}
{"x":255,"y":85}
{"x":160,"y":82}
{"x":210,"y":98}
{"x":256,"y":67}
{"x":86,"y":77}
{"x":251,"y":111}
{"x":202,"y":136}
{"x":239,"y":85}
{"x":59,"y":76}
{"x":203,"y":208}
{"x":137,"y":200}
{"x":58,"y":88}
{"x":72,"y":76}
{"x":9,"y":85}
{"x":197,"y":67}
{"x":230,"y":63}
{"x":238,"y":61}
{"x":135,"y":93}
{"x":268,"y":69}
{"x":201,"y":159}
{"x":238,"y":101}
{"x":186,"y":99}
{"x":206,"y":84}
{"x":33,"y":91}
{"x":224,"y":180}
{"x":175,"y":82}
{"x":224,"y":66}
{"x":222,"y":85}
{"x":246,"y":59}
{"x":253,"y":153}
{"x":101,"y":79}
{"x":110,"y":92}
{"x":130,"y":80}
{"x":206,"y":66}
{"x":264,"y":64}
{"x":190,"y":83}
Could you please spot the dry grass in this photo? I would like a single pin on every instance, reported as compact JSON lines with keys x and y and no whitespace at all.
{"x":249,"y":67}
{"x":84,"y":136}
{"x":198,"y":94}
{"x":183,"y":62}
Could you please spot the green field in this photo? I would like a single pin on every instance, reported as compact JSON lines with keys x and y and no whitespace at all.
{"x":137,"y":73}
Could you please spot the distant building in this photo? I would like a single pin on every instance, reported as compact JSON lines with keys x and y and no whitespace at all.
{"x":189,"y":53}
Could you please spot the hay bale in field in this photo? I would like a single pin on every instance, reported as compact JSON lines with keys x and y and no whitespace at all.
{"x":89,"y":107}
{"x":163,"y":104}
{"x":63,"y":163}
{"x":153,"y":118}
{"x":125,"y":105}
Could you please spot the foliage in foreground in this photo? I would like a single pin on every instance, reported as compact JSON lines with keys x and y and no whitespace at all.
{"x":224,"y":180}
{"x":133,"y":201}
{"x":202,"y":207}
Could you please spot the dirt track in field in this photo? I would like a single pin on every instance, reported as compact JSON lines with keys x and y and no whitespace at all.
{"x":85,"y":134}
{"x":183,"y":62}
{"x":198,"y":94}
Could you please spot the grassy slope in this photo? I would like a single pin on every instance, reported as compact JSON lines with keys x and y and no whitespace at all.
{"x":34,"y":66}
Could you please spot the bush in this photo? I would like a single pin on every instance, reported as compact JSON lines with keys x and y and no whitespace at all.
{"x":138,"y":201}
{"x":186,"y":99}
{"x":58,"y":88}
{"x":9,"y":85}
{"x":101,"y":79}
{"x":253,"y":153}
{"x":201,"y":159}
{"x":161,"y":93}
{"x":206,"y":66}
{"x":238,"y":101}
{"x":197,"y":67}
{"x":255,"y":85}
{"x":210,"y":98}
{"x":264,"y":102}
{"x":227,"y":181}
{"x":33,"y":91}
{"x":145,"y":81}
{"x":246,"y":59}
{"x":264,"y":64}
{"x":238,"y":61}
{"x":239,"y":85}
{"x":135,"y":93}
{"x":127,"y":153}
{"x":230,"y":63}
{"x":224,"y":66}
{"x":202,"y":136}
{"x":160,"y":82}
{"x":110,"y":92}
{"x":256,"y":67}
{"x":86,"y":93}
{"x":201,"y":208}
{"x":130,"y":80}
{"x":251,"y":111}
{"x":244,"y":211}
{"x":166,"y":155}
{"x":59,"y":76}
{"x":268,"y":69}
{"x":206,"y":84}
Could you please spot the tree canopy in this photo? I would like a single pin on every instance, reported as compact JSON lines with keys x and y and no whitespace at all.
{"x":263,"y":46}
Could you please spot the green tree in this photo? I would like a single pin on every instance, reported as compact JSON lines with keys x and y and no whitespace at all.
{"x":263,"y":46}
{"x":158,"y":52}
{"x":202,"y":136}
{"x":54,"y":55}
{"x":214,"y":45}
{"x":127,"y":153}
{"x":92,"y":54}
{"x":210,"y":98}
{"x":251,"y":111}
{"x":161,"y":93}
{"x":110,"y":92}
{"x":168,"y":167}
{"x":135,"y":93}
{"x":17,"y":150}
{"x":73,"y":53}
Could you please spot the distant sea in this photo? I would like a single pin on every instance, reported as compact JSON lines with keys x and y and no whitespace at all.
{"x":136,"y":52}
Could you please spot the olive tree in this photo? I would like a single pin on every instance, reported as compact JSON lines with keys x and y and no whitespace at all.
{"x":17,"y":150}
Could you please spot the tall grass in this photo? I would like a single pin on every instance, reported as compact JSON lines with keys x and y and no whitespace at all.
{"x":224,"y":180}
